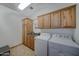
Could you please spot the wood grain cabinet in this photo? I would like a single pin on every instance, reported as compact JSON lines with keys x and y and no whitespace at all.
{"x":73,"y":16}
{"x":40,"y":22}
{"x":47,"y":21}
{"x":55,"y":19}
{"x":68,"y":18}
{"x":63,"y":18}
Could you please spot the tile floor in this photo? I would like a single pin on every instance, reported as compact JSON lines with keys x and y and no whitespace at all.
{"x":21,"y":51}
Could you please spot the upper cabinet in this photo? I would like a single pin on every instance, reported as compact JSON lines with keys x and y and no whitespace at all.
{"x":63,"y":18}
{"x":55,"y":19}
{"x":46,"y":21}
{"x":73,"y":16}
{"x":40,"y":22}
{"x":68,"y":18}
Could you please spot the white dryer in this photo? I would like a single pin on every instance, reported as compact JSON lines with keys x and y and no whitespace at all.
{"x":41,"y":44}
{"x":62,"y":46}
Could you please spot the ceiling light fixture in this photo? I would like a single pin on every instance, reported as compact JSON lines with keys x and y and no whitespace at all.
{"x":24,"y":5}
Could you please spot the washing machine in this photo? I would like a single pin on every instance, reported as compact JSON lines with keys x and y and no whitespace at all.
{"x":41,"y":44}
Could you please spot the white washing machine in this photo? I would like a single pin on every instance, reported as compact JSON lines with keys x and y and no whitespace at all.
{"x":41,"y":44}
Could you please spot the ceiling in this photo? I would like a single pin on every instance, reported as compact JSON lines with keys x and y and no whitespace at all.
{"x":38,"y":8}
{"x":11,"y":5}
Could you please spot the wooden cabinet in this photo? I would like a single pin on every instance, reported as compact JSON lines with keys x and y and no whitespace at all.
{"x":55,"y":19}
{"x":63,"y":18}
{"x":46,"y":21}
{"x":68,"y":18}
{"x":73,"y":16}
{"x":40,"y":22}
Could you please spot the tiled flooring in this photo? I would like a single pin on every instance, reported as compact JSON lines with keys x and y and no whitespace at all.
{"x":22,"y":51}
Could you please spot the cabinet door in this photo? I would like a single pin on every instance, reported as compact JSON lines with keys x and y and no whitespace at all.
{"x":68,"y":18}
{"x":40,"y":22}
{"x":55,"y":19}
{"x":73,"y":16}
{"x":47,"y":21}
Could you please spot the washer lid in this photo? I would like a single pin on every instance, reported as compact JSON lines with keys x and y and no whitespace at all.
{"x":64,"y":41}
{"x":43,"y":36}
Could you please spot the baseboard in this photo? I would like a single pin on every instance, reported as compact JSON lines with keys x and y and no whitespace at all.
{"x":15,"y":46}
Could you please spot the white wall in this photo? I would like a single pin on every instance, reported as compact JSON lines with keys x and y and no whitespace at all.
{"x":43,"y":8}
{"x":10,"y":27}
{"x":76,"y":35}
